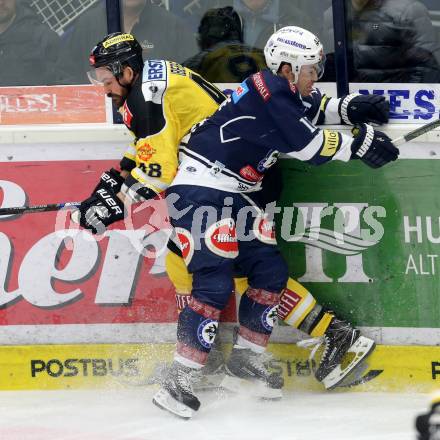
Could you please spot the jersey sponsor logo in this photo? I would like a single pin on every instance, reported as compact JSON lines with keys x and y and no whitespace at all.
{"x":127,"y":115}
{"x":206,"y":332}
{"x":269,"y":160}
{"x":221,"y":238}
{"x":264,"y":229}
{"x":261,"y":86}
{"x":332,"y":142}
{"x":154,"y":70}
{"x":239,"y":92}
{"x":270,"y":315}
{"x":145,"y":151}
{"x":288,"y":302}
{"x":186,"y":244}
{"x":291,"y":43}
{"x":250,"y":173}
{"x":118,"y":39}
{"x":242,"y":187}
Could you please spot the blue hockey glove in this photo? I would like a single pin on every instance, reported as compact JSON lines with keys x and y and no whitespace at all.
{"x":356,"y":109}
{"x":372,"y":147}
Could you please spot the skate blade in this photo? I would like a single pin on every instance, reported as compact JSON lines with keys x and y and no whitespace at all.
{"x":361,"y":349}
{"x":251,"y":388}
{"x":165,"y":401}
{"x":361,"y":379}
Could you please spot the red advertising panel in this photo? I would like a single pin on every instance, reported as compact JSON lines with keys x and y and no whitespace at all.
{"x":52,"y":105}
{"x":52,"y":272}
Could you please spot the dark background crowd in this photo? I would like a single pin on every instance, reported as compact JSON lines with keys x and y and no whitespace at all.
{"x":47,"y":43}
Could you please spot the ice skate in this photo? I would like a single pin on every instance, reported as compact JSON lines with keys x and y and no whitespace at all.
{"x":246,"y":372}
{"x":211,"y":375}
{"x":176,"y":394}
{"x":207,"y":378}
{"x":343,"y":350}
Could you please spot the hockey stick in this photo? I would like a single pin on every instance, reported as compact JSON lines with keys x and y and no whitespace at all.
{"x":416,"y":133}
{"x":38,"y":208}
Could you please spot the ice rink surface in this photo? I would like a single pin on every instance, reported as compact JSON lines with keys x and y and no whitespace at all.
{"x":129,"y":415}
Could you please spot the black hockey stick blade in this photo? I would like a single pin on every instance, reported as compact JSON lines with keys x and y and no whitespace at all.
{"x":39,"y":208}
{"x":416,"y":133}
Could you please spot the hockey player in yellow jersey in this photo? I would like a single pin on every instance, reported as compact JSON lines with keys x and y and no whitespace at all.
{"x":160,"y":101}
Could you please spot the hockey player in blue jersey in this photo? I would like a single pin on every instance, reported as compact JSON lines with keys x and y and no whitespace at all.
{"x":272,"y":113}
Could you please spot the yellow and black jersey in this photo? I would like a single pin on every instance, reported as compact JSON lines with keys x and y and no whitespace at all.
{"x":164,"y":103}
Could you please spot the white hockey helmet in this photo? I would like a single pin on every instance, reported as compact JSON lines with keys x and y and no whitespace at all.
{"x":295,"y":46}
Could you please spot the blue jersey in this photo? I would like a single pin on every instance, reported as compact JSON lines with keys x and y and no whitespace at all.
{"x":264,"y":118}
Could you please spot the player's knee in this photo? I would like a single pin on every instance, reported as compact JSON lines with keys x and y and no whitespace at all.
{"x":215,"y":297}
{"x":272,"y":275}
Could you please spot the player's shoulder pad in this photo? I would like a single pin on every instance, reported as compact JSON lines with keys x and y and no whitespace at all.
{"x":154,"y":80}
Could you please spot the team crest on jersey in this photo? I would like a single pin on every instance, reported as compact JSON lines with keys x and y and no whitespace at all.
{"x":264,"y":229}
{"x":239,"y":92}
{"x":145,"y":152}
{"x":270,"y":315}
{"x":221,"y":238}
{"x":250,"y":173}
{"x":127,"y":115}
{"x":186,"y":244}
{"x":206,"y":332}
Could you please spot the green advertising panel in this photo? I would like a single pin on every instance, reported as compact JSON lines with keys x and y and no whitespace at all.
{"x":365,"y":242}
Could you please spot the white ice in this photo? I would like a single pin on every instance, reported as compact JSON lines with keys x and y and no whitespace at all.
{"x":129,"y":415}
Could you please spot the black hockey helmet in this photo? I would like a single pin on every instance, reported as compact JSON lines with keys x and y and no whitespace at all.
{"x":219,"y":24}
{"x":115,"y":51}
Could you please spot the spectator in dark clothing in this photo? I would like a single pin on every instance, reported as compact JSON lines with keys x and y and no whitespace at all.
{"x":391,"y":41}
{"x":29,"y":50}
{"x":224,"y":58}
{"x":161,"y":34}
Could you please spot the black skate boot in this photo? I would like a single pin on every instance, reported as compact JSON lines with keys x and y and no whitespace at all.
{"x":344,"y":349}
{"x":176,"y":394}
{"x":246,"y":371}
